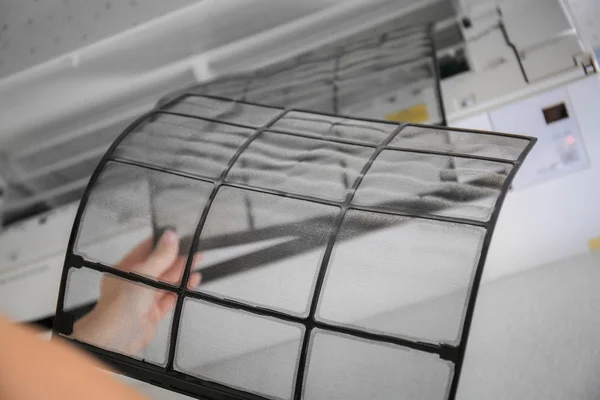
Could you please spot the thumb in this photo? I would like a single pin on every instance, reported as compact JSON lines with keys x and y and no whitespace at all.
{"x":162,"y":257}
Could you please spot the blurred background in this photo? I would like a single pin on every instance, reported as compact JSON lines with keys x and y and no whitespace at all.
{"x":75,"y":73}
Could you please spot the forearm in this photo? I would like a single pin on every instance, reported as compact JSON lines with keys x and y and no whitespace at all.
{"x":32,"y":368}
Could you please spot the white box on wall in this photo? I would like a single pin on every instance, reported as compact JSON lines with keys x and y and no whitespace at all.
{"x":555,"y":217}
{"x":550,"y":117}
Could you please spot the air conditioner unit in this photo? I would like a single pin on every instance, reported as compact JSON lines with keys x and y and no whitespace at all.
{"x":49,"y":170}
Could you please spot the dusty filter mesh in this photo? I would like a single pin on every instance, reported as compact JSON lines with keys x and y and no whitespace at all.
{"x":340,"y":257}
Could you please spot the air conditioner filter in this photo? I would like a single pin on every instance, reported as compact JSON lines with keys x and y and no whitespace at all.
{"x":341,"y":257}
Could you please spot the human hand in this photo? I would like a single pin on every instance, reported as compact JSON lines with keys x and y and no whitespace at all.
{"x":35,"y":368}
{"x":127,"y":314}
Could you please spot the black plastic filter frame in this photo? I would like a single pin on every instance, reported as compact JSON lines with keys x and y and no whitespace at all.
{"x":167,"y":377}
{"x":173,"y":380}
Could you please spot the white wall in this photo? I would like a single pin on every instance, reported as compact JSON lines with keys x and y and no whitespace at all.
{"x":536,"y":335}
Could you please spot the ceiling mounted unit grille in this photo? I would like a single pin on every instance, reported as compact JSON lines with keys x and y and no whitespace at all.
{"x":334,"y":78}
{"x":341,"y":257}
{"x":340,"y":75}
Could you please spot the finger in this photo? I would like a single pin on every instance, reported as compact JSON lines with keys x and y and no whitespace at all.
{"x":195,"y":280}
{"x":162,"y":258}
{"x":196,"y":260}
{"x":173,"y":274}
{"x":164,"y":305}
{"x":137,"y":255}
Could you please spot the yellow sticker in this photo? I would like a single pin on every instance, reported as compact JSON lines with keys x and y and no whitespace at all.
{"x":414,"y":114}
{"x":594,"y":243}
